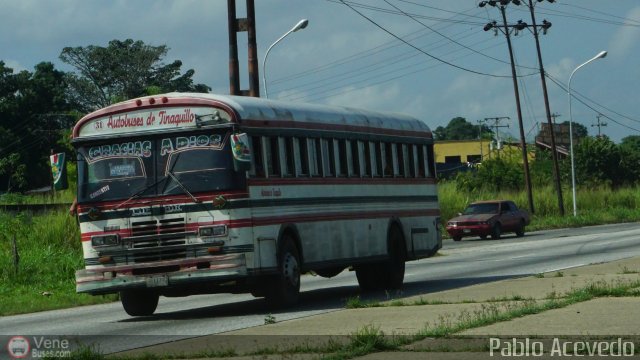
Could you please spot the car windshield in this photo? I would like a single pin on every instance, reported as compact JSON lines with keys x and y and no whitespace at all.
{"x":485,"y":208}
{"x":156,"y":166}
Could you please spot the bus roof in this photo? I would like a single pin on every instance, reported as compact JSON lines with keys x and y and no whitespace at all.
{"x":250,"y":112}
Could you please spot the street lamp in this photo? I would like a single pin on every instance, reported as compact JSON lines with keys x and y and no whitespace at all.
{"x":300,"y":25}
{"x":600,"y":55}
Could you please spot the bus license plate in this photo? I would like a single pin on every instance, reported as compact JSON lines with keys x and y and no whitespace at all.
{"x":156,"y":281}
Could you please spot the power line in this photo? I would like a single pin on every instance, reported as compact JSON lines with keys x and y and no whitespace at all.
{"x":592,"y":108}
{"x":420,"y":50}
{"x":353,"y":4}
{"x":600,"y":12}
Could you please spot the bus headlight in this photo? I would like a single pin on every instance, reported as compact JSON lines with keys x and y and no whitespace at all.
{"x":105,"y":240}
{"x":209,"y":231}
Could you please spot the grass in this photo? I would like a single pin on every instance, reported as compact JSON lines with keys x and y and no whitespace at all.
{"x":42,"y":275}
{"x":57,"y":197}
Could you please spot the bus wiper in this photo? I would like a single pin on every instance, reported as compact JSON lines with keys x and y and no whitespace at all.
{"x":181,"y":185}
{"x":139,"y":193}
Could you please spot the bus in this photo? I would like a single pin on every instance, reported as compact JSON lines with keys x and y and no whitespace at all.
{"x":184,"y":193}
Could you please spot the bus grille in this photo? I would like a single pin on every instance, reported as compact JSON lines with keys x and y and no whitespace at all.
{"x":161,"y":238}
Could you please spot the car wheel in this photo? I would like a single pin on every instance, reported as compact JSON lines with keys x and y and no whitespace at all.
{"x":496,"y":231}
{"x":457,"y":238}
{"x":520,"y":229}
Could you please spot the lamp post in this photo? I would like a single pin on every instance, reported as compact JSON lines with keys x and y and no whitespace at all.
{"x":300,"y":25}
{"x":600,"y":55}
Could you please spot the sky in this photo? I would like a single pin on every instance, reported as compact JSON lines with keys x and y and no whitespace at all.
{"x":427,"y":58}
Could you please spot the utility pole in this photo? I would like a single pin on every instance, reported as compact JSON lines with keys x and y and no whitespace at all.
{"x":523,"y":144}
{"x":480,"y":138}
{"x":237,"y":25}
{"x":599,"y":124}
{"x":496,"y":125}
{"x":554,"y":116}
{"x":554,"y":150}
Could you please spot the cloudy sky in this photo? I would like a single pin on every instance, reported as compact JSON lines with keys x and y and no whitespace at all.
{"x":427,"y":58}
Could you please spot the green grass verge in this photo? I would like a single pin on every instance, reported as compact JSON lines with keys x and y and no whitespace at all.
{"x":42,"y":275}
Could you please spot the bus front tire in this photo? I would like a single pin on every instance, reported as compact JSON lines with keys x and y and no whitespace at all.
{"x":139,"y":302}
{"x":284,"y":288}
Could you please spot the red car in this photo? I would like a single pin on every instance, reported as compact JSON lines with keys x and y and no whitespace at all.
{"x":484,"y":218}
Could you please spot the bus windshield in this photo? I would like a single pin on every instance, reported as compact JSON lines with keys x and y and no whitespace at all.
{"x":156,"y":166}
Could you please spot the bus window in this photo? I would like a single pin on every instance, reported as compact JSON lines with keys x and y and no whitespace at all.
{"x":302,"y":158}
{"x":341,"y":158}
{"x":354,"y":157}
{"x":431,"y":167}
{"x":422,"y":155}
{"x":412,"y":161}
{"x":328,"y":161}
{"x":402,"y":160}
{"x":379,"y":158}
{"x":315,"y":157}
{"x":389,"y":163}
{"x":289,"y":156}
{"x":257,"y":166}
{"x":273,"y":156}
{"x":369,"y":158}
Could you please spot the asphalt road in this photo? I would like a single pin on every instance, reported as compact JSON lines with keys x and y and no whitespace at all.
{"x":459,"y":264}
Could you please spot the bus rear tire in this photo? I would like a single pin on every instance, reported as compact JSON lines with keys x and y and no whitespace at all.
{"x":393,"y":269}
{"x":367,"y":275}
{"x":284,"y":289}
{"x":389,"y":274}
{"x":139,"y":302}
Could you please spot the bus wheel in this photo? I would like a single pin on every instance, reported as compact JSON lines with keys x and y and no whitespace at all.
{"x":367,"y":275}
{"x":284,"y":289}
{"x":393,"y":270}
{"x":139,"y":302}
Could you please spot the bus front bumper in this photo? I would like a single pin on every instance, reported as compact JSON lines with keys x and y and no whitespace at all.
{"x":112,"y":279}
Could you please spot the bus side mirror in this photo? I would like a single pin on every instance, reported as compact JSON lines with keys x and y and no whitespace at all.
{"x":241,"y":152}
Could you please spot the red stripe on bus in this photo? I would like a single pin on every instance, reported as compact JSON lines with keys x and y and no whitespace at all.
{"x":342,"y":216}
{"x":274,"y":220}
{"x":165,"y":200}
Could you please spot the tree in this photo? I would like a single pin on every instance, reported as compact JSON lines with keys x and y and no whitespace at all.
{"x":597,"y":162}
{"x":120,"y":71}
{"x":579,"y":130}
{"x":460,"y":129}
{"x":632,"y":142}
{"x":33,"y":110}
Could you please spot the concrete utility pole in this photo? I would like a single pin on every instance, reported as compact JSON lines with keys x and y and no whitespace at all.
{"x":523,"y":144}
{"x":237,"y":25}
{"x":554,"y":150}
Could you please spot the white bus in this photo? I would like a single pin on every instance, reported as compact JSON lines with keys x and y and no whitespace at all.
{"x":182,"y":194}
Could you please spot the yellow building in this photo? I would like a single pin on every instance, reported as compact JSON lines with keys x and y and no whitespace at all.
{"x":474,"y":151}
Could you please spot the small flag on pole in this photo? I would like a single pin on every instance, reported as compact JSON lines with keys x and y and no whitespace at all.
{"x":59,"y":171}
